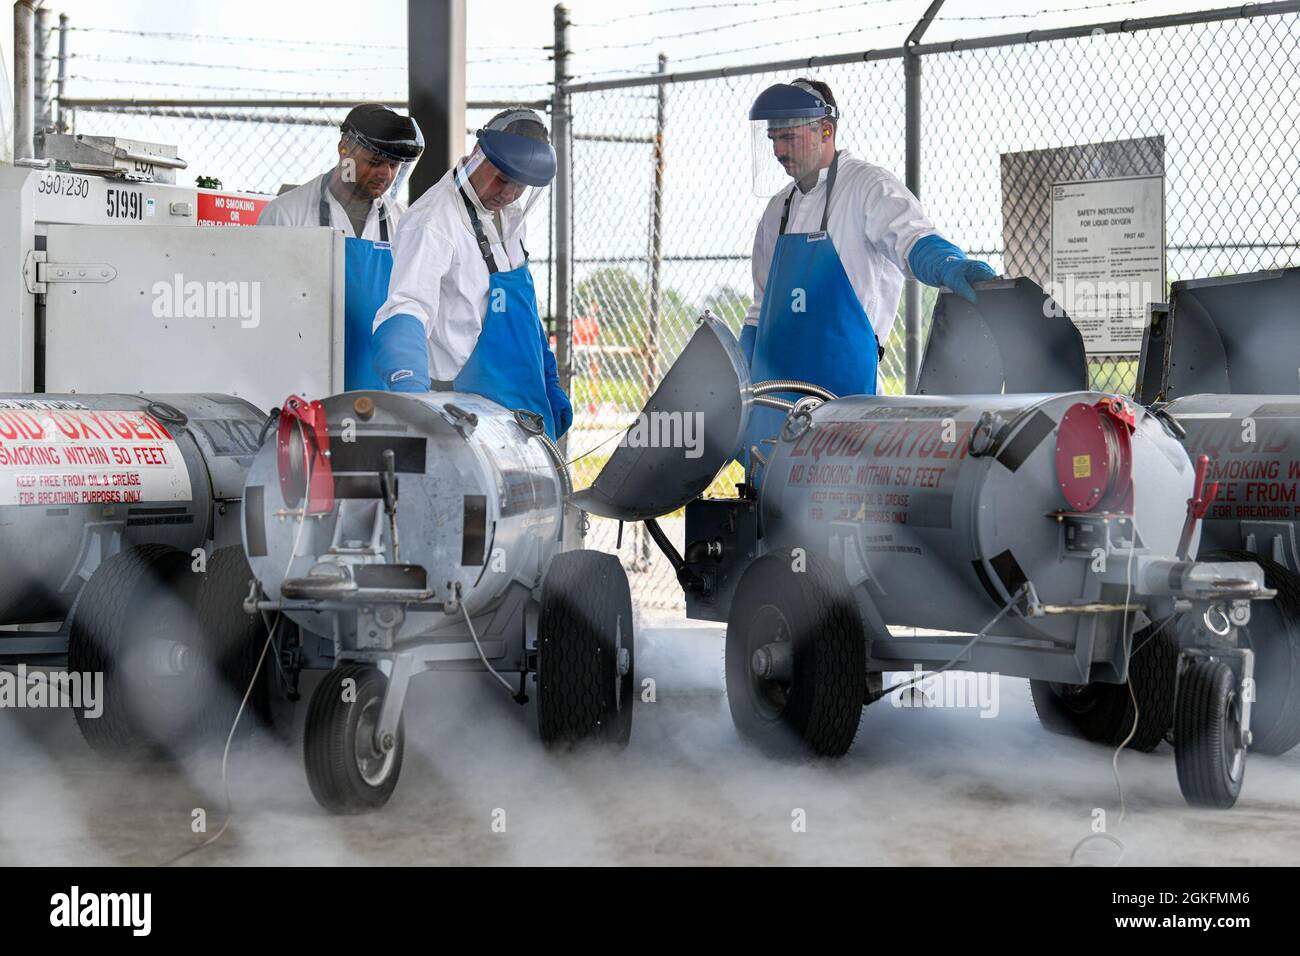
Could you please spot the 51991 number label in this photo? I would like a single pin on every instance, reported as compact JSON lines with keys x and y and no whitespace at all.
{"x":124,"y":204}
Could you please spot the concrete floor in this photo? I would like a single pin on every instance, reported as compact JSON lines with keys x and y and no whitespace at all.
{"x":921,"y":786}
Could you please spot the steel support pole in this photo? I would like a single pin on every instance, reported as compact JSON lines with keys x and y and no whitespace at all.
{"x":561,"y":139}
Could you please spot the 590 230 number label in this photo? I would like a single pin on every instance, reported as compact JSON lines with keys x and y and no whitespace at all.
{"x":124,"y":204}
{"x":63,"y":184}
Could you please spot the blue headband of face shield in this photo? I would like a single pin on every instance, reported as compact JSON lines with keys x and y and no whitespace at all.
{"x":784,"y":104}
{"x":527,"y":161}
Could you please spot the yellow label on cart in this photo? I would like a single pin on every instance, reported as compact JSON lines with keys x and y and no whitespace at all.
{"x":1083,"y":466}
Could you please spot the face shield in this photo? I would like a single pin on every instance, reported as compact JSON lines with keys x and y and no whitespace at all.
{"x":372,"y":166}
{"x":787,"y":131}
{"x":509,"y":172}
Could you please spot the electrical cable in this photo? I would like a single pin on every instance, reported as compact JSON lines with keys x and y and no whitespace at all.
{"x":1020,"y":592}
{"x":257,"y":670}
{"x":481,"y":656}
{"x":1126,"y":638}
{"x":595,"y":448}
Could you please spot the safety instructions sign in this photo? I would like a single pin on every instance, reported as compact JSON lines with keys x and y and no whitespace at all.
{"x":68,"y":456}
{"x":1108,"y":258}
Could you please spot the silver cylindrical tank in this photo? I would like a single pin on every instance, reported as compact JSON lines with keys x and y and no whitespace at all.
{"x":83,"y":476}
{"x":1253,"y":443}
{"x":480,"y":501}
{"x":941,"y":506}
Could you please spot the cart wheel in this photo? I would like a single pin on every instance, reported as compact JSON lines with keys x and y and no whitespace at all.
{"x":1274,"y":635}
{"x":347,"y":771}
{"x":1104,"y":713}
{"x":585,"y":651}
{"x":135,"y":623}
{"x":796,"y":656}
{"x":1208,"y":751}
{"x":235,"y":642}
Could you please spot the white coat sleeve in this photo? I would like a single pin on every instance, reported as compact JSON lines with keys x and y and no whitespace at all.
{"x":894,"y":220}
{"x":761,"y":264}
{"x":421,"y":258}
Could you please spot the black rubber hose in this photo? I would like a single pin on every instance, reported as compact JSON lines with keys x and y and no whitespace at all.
{"x":274,"y":417}
{"x":688,"y":579}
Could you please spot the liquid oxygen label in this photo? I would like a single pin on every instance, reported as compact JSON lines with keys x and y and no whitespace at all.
{"x":62,"y":456}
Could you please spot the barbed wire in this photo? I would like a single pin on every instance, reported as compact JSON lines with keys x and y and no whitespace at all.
{"x":1038,"y":13}
{"x":147,"y":61}
{"x":695,"y":8}
{"x":279,"y":91}
{"x":802,"y":12}
{"x":239,"y":40}
{"x":618,"y":71}
{"x":676,"y":60}
{"x":344,"y":49}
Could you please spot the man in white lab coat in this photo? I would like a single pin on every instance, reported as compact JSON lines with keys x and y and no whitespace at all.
{"x":461,"y":306}
{"x":831,"y":252}
{"x":376,"y":151}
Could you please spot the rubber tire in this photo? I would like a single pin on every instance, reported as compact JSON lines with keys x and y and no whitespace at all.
{"x":586,"y":616}
{"x":329,"y":742}
{"x":1204,"y":695}
{"x":1274,"y":636}
{"x":824,"y":701}
{"x":1153,"y":672}
{"x":140,"y":588}
{"x":236,"y":641}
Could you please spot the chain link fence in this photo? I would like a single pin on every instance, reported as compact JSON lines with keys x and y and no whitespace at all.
{"x":267,"y":149}
{"x":663,"y":214}
{"x":1220,"y":96}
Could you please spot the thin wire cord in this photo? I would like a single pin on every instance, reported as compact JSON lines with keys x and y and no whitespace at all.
{"x":227,"y":809}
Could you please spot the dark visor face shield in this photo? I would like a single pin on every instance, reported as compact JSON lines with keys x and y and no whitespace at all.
{"x":362,"y":152}
{"x":524,"y":166}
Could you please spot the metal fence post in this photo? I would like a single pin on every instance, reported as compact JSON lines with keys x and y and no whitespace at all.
{"x":656,"y":240}
{"x":656,"y":263}
{"x":563,"y":252}
{"x":912,"y":94}
{"x":24,"y":97}
{"x":41,"y":90}
{"x":62,"y":81}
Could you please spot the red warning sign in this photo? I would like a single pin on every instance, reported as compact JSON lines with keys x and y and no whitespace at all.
{"x":226,"y":209}
{"x":62,"y":456}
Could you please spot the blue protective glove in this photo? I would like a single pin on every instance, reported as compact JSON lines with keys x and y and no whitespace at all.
{"x":399,"y":355}
{"x":561,"y":407}
{"x":936,"y":261}
{"x":748,"y":336}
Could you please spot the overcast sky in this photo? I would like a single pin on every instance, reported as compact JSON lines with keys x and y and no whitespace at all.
{"x":312,"y":48}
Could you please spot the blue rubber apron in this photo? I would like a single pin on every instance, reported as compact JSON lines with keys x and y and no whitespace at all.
{"x":366,"y":269}
{"x":506,"y":364}
{"x":811,"y":326}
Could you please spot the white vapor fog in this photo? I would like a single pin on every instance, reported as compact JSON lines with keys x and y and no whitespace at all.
{"x":920,"y":787}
